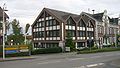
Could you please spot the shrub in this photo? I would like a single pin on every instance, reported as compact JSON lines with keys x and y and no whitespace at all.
{"x":16,"y":54}
{"x":47,"y":50}
{"x":98,"y":50}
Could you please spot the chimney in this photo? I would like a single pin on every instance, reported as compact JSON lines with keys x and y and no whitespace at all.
{"x":93,"y":11}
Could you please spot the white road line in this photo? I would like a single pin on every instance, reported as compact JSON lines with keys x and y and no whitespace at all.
{"x":92,"y":65}
{"x":76,"y":59}
{"x":96,"y":57}
{"x":100,"y":63}
{"x":80,"y":67}
{"x":49,"y":62}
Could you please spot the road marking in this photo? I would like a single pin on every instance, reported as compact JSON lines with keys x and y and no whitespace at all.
{"x":50,"y":62}
{"x":76,"y":59}
{"x":100,"y":63}
{"x":91,"y":65}
{"x":80,"y":67}
{"x":96,"y":57}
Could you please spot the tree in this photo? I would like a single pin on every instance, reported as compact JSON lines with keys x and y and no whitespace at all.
{"x":17,"y":35}
{"x":69,"y":42}
{"x":16,"y":27}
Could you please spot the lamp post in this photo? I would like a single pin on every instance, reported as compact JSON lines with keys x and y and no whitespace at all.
{"x":25,"y":38}
{"x":3,"y":25}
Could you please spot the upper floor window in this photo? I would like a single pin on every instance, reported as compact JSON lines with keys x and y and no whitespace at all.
{"x":52,"y":33}
{"x":90,"y":33}
{"x":71,"y":32}
{"x":71,"y":22}
{"x":52,"y":22}
{"x":81,"y":33}
{"x":81,"y":23}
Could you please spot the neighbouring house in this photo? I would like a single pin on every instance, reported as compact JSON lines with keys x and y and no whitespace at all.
{"x":52,"y":26}
{"x":1,"y":20}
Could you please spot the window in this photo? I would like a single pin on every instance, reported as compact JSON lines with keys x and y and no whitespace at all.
{"x":71,"y":32}
{"x":80,"y":44}
{"x":70,"y":22}
{"x":81,"y":33}
{"x":90,"y":33}
{"x":47,"y":23}
{"x":81,"y":23}
{"x":42,"y":24}
{"x":52,"y":33}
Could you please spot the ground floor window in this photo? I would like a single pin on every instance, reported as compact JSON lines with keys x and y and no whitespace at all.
{"x":51,"y":45}
{"x":36,"y":45}
{"x":45,"y":45}
{"x":80,"y":44}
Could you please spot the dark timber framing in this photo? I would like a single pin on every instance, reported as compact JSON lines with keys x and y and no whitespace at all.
{"x":81,"y":27}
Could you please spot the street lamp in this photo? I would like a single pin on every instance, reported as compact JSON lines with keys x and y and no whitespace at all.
{"x":3,"y":25}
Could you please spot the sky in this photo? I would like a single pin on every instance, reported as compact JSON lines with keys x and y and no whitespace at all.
{"x":26,"y":11}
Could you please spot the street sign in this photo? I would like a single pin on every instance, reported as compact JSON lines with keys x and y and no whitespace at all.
{"x":11,"y":51}
{"x":23,"y":48}
{"x":11,"y":48}
{"x":67,"y":49}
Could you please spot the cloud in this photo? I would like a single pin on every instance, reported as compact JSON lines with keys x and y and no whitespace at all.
{"x":27,"y":10}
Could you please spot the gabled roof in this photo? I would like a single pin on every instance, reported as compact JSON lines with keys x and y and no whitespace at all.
{"x":97,"y":16}
{"x":64,"y":16}
{"x":1,"y":13}
{"x":114,"y":21}
{"x":60,"y":14}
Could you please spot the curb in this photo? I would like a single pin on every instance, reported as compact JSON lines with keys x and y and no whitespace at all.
{"x":14,"y":59}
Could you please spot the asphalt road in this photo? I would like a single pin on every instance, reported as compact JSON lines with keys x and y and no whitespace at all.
{"x":98,"y":60}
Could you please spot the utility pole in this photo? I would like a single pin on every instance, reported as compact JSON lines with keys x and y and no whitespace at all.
{"x":3,"y":25}
{"x":25,"y":37}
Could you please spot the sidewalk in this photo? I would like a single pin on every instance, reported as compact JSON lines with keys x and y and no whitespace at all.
{"x":17,"y":58}
{"x":41,"y":56}
{"x":55,"y":56}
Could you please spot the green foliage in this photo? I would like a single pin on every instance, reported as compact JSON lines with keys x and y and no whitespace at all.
{"x":16,"y":39}
{"x":16,"y":54}
{"x":1,"y":50}
{"x":98,"y":50}
{"x":47,"y":50}
{"x":16,"y":27}
{"x":69,"y":42}
{"x":17,"y":35}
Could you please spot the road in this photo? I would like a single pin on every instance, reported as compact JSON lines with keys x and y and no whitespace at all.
{"x":97,"y":60}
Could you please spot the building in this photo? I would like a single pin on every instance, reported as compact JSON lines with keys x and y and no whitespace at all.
{"x":52,"y":26}
{"x":1,"y":20}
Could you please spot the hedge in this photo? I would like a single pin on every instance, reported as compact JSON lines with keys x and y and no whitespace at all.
{"x":47,"y":50}
{"x":34,"y":52}
{"x":98,"y":50}
{"x":17,"y":54}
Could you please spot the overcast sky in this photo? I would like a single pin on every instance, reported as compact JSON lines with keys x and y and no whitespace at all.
{"x":27,"y":10}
